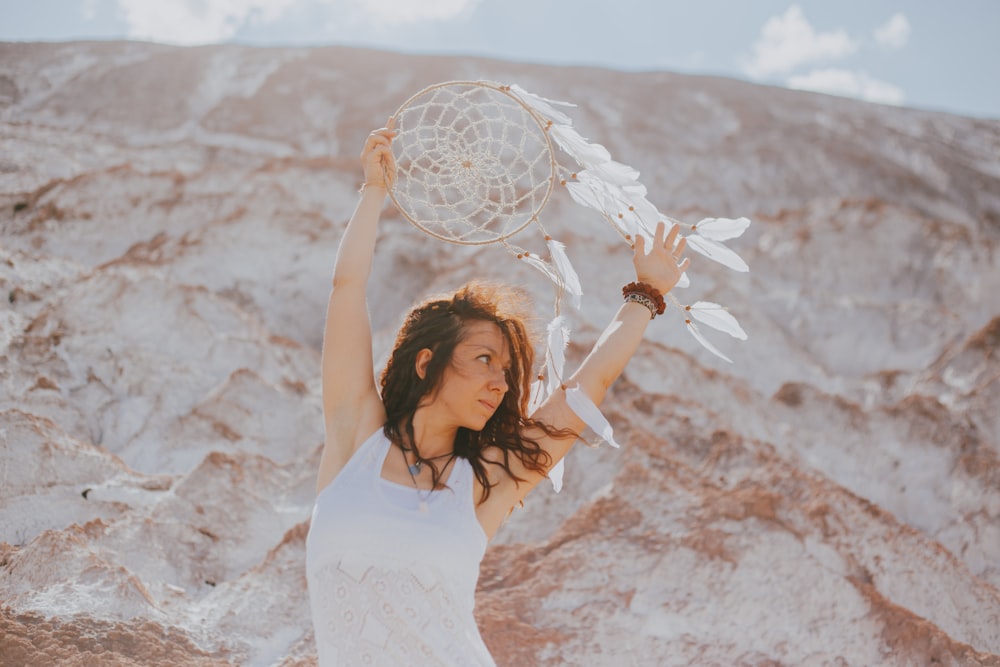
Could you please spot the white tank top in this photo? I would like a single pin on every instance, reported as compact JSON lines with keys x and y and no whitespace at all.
{"x":388,"y":583}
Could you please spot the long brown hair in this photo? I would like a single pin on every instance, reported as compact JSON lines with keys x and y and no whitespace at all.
{"x":438,"y":324}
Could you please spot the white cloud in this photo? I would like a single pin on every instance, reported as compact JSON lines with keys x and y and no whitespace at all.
{"x":788,"y":41}
{"x":413,"y":11}
{"x":894,"y":34}
{"x":848,"y":83}
{"x":197,"y":21}
{"x":210,"y":21}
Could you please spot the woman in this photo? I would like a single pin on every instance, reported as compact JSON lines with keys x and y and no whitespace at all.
{"x":414,"y":480}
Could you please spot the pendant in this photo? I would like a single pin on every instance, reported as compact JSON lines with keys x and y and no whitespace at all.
{"x":414,"y":468}
{"x":423,"y":507}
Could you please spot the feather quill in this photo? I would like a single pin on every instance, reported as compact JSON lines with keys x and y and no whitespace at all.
{"x":566,"y":270}
{"x":717,"y":317}
{"x":585,"y":409}
{"x":716,"y":252}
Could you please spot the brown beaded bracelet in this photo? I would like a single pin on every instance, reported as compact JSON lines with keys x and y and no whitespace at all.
{"x":647,"y":295}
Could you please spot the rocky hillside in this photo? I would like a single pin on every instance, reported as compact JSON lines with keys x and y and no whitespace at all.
{"x":168,"y":223}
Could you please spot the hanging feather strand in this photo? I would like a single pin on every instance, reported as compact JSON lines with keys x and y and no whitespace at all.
{"x":722,"y":229}
{"x":717,"y":317}
{"x":543,"y":105}
{"x":564,"y":267}
{"x":557,"y":341}
{"x":580,"y":403}
{"x":716,"y":252}
{"x":693,"y":329}
{"x":543,"y":266}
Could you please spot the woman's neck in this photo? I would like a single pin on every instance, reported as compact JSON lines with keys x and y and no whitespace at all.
{"x":433,"y":439}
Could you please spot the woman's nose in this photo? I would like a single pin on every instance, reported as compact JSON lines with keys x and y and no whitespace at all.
{"x":499,"y":382}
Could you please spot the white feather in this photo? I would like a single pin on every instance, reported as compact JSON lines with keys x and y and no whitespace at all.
{"x":615,"y":173}
{"x":556,"y":343}
{"x":594,"y":195}
{"x":585,"y":409}
{"x":704,"y":341}
{"x":716,"y":252}
{"x":577,"y":147}
{"x":635,"y":189}
{"x":610,"y":199}
{"x":646,"y":213}
{"x":556,"y":475}
{"x":543,"y":105}
{"x":584,"y":195}
{"x":599,"y":196}
{"x":566,"y":270}
{"x":544,"y":267}
{"x":717,"y":317}
{"x":722,"y":229}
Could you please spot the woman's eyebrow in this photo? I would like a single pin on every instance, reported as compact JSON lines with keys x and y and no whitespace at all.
{"x":486,"y":346}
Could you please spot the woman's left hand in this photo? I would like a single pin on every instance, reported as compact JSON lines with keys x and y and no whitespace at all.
{"x":662,"y":266}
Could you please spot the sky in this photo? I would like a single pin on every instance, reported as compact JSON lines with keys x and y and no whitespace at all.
{"x":928,"y":54}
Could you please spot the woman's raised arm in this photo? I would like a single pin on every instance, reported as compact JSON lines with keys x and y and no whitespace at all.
{"x":352,"y":408}
{"x":661,"y":267}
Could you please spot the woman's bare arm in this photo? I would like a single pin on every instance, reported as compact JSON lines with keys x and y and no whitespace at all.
{"x":661,"y":268}
{"x":351,"y":404}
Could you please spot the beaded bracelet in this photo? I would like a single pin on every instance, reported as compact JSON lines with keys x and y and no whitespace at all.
{"x":647,"y":295}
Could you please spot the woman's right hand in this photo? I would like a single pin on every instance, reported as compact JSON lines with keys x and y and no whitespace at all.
{"x":662,"y":265}
{"x":377,"y":159}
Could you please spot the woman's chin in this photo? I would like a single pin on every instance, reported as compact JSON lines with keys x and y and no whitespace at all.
{"x":477,"y":425}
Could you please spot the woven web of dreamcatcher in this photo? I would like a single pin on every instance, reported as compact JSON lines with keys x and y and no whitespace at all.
{"x":474,"y":164}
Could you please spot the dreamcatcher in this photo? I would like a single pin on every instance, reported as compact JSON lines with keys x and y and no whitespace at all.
{"x":476,"y":164}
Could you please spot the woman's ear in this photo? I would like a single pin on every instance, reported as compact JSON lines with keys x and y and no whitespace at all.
{"x":424,"y":357}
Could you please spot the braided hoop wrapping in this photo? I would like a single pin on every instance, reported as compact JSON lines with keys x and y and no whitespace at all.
{"x":475,"y":165}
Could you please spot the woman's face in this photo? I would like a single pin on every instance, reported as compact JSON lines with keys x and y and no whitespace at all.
{"x":474,"y":383}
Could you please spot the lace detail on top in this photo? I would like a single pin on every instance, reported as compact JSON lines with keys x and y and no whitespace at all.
{"x":381,"y":616}
{"x":389,"y":584}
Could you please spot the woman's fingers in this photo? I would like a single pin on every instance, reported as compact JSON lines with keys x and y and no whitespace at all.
{"x":639,"y":245}
{"x":681,"y":246}
{"x":377,"y":157}
{"x":661,"y":228}
{"x":672,"y":236}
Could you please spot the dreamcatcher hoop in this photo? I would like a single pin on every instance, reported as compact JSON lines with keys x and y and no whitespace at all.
{"x":475,"y":164}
